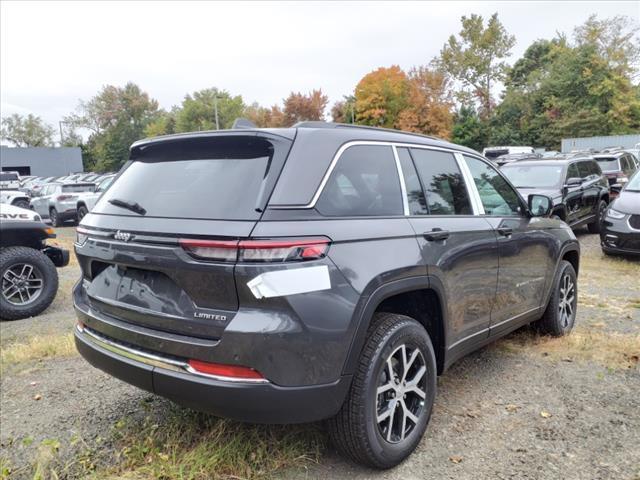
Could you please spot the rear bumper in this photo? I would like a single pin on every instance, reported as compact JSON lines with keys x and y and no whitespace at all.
{"x":248,"y":401}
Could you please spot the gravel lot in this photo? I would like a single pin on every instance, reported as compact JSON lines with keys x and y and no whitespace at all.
{"x":525,"y":407}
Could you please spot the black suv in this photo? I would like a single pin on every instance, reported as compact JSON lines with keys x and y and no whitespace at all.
{"x":579,"y":191}
{"x":317,"y":272}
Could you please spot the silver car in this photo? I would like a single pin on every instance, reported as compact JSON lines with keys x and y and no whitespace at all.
{"x":86,"y":201}
{"x":57,"y":201}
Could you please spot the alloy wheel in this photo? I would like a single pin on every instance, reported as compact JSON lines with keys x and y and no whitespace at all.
{"x":22,"y":284}
{"x":401,"y":392}
{"x":566,"y":305}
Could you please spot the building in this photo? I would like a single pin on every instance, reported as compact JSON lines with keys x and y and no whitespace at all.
{"x":41,"y":161}
{"x":598,"y":143}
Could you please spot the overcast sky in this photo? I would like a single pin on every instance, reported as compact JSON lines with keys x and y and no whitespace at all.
{"x":55,"y":53}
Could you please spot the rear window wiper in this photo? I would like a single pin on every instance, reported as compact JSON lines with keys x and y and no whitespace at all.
{"x":133,"y":206}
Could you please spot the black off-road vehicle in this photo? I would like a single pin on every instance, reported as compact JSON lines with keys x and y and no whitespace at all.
{"x":318,"y":272}
{"x":27,"y":268}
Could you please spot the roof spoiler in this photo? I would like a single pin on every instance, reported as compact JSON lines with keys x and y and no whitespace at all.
{"x":243,"y":123}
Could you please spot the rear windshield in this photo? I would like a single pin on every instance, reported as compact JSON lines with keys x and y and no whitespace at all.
{"x":88,"y":187}
{"x":608,"y":164}
{"x":221,"y":182}
{"x":6,"y":177}
{"x":533,"y":176}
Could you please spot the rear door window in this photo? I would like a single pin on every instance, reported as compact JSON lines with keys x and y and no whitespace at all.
{"x":442,"y":180}
{"x":364,"y":182}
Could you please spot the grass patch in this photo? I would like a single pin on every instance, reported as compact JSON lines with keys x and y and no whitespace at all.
{"x":187,"y":445}
{"x":611,"y":350}
{"x":38,"y":347}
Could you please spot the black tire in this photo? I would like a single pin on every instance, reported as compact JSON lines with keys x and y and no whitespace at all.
{"x":355,"y":431}
{"x":21,"y":204}
{"x":554,"y":322}
{"x":82,"y":211}
{"x":594,"y":227}
{"x":42,"y":266}
{"x":54,"y":217}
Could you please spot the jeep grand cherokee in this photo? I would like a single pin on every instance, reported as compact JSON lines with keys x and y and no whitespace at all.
{"x":318,"y":272}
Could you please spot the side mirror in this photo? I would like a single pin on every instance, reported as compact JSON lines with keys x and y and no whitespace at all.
{"x":539,"y":205}
{"x":573,"y":182}
{"x":616,"y":187}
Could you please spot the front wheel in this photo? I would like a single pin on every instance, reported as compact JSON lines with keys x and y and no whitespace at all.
{"x":596,"y":225}
{"x":391,"y":396}
{"x":560,"y":315}
{"x":29,"y":282}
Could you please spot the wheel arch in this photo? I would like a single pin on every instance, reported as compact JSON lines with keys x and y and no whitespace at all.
{"x":421,"y":298}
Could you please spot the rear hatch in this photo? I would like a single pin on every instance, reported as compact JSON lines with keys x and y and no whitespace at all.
{"x":134,"y":246}
{"x":610,"y":167}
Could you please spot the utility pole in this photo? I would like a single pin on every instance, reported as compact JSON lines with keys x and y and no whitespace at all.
{"x":215,"y":106}
{"x":60,"y":125}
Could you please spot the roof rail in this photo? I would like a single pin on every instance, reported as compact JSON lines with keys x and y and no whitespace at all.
{"x":321,"y":124}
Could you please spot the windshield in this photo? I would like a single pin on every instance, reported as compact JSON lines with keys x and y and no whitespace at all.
{"x":87,"y":187}
{"x":634,"y":183}
{"x":608,"y":164}
{"x":7,"y":177}
{"x":221,"y":182}
{"x":533,"y":176}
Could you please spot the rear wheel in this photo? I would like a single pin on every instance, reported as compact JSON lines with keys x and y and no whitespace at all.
{"x":54,"y":217}
{"x":29,"y":282}
{"x":82,"y":211}
{"x":391,"y":396}
{"x":595,"y":226}
{"x":560,"y":315}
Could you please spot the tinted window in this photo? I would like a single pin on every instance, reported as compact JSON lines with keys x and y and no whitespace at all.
{"x":608,"y":164}
{"x":572,"y":171}
{"x":415,"y":195}
{"x":442,"y":181}
{"x":217,"y":180}
{"x":584,"y":170}
{"x":86,"y":187}
{"x":497,"y":196}
{"x":363,"y":182}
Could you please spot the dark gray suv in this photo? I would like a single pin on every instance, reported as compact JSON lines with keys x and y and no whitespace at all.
{"x":318,"y":272}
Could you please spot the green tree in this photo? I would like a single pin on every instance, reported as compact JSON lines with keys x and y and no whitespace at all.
{"x":469,"y":129}
{"x":198,"y":110}
{"x":27,"y":131}
{"x":476,"y":59}
{"x":344,"y":111}
{"x":116,"y":117}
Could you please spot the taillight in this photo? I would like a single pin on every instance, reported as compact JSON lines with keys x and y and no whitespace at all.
{"x":222,"y":370}
{"x":281,"y":250}
{"x":64,"y":197}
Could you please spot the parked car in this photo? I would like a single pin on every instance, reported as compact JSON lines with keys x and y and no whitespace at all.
{"x":318,"y":272}
{"x":618,"y":166}
{"x":9,"y":180}
{"x":86,"y":201}
{"x":620,"y":233}
{"x":579,"y":191}
{"x":17,"y":198}
{"x":494,"y":152}
{"x":57,"y":201}
{"x":27,"y":267}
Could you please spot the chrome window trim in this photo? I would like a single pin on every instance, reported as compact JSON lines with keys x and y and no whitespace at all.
{"x":472,"y":188}
{"x":403,"y":186}
{"x":153,"y":360}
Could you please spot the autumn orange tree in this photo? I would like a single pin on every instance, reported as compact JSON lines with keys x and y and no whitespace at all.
{"x":381,"y":96}
{"x":430,"y":104}
{"x":297,"y":107}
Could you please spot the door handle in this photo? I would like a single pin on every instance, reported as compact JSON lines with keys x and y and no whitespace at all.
{"x":436,"y":234}
{"x":505,"y":231}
